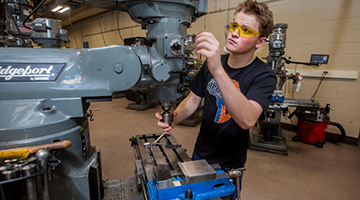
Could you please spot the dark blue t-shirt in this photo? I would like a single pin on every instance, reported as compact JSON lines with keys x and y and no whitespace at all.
{"x":220,"y":139}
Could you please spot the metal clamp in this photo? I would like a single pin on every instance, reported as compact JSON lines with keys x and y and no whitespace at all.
{"x":236,"y":173}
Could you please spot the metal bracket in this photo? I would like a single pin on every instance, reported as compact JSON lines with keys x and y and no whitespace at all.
{"x":91,"y":114}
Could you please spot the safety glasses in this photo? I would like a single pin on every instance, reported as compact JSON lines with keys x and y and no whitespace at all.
{"x":243,"y":30}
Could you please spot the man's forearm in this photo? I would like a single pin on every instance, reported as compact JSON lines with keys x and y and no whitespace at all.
{"x":187,"y":107}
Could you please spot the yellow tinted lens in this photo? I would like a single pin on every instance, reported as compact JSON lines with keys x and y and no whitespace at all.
{"x":233,"y":27}
{"x":243,"y":31}
{"x":247,"y":32}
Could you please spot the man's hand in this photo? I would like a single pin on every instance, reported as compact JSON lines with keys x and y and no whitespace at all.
{"x":165,"y":128}
{"x":209,"y":46}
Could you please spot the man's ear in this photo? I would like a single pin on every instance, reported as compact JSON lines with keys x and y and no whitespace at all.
{"x":260,"y":42}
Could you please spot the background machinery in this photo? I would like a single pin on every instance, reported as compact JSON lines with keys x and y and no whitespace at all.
{"x":46,"y":92}
{"x":267,"y":134}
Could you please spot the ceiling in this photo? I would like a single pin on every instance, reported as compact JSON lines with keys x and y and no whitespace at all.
{"x":79,"y":9}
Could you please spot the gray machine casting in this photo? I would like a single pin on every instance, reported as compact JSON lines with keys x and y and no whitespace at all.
{"x":45,"y":92}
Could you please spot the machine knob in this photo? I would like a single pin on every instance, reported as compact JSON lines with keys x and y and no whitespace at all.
{"x":176,"y":46}
{"x":42,"y":157}
{"x":181,"y":90}
{"x":188,"y":194}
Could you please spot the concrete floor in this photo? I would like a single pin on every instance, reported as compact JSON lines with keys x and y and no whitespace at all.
{"x":306,"y":173}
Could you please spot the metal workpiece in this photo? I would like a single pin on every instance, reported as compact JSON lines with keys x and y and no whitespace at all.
{"x":197,"y":171}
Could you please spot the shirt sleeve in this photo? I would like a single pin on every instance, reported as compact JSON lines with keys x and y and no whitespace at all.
{"x":197,"y":84}
{"x":262,"y":89}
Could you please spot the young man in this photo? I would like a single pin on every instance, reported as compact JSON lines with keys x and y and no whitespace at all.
{"x":237,"y":88}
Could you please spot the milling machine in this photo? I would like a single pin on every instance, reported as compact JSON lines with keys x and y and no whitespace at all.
{"x":46,"y":92}
{"x":267,"y":134}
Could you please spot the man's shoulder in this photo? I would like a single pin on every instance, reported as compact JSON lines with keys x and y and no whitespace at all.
{"x":262,"y":66}
{"x":260,"y":63}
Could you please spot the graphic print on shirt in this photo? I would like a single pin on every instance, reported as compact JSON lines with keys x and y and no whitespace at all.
{"x":221,"y":115}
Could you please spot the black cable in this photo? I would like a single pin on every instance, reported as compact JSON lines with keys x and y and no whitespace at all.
{"x":321,"y":80}
{"x":102,"y":34}
{"x":117,"y":21}
{"x":342,"y":130}
{"x":28,"y":17}
{"x":72,"y":30}
{"x":16,"y":26}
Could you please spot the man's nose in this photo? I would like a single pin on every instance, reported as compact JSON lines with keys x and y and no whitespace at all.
{"x":236,"y":33}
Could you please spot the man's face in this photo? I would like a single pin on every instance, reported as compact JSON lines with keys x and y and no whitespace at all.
{"x":238,"y":44}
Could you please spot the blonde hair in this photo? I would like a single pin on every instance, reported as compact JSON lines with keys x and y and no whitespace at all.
{"x":262,"y":13}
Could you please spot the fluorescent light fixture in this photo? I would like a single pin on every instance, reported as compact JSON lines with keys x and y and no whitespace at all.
{"x":64,"y":9}
{"x":56,"y":9}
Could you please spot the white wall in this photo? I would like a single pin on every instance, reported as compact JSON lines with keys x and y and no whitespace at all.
{"x":315,"y":27}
